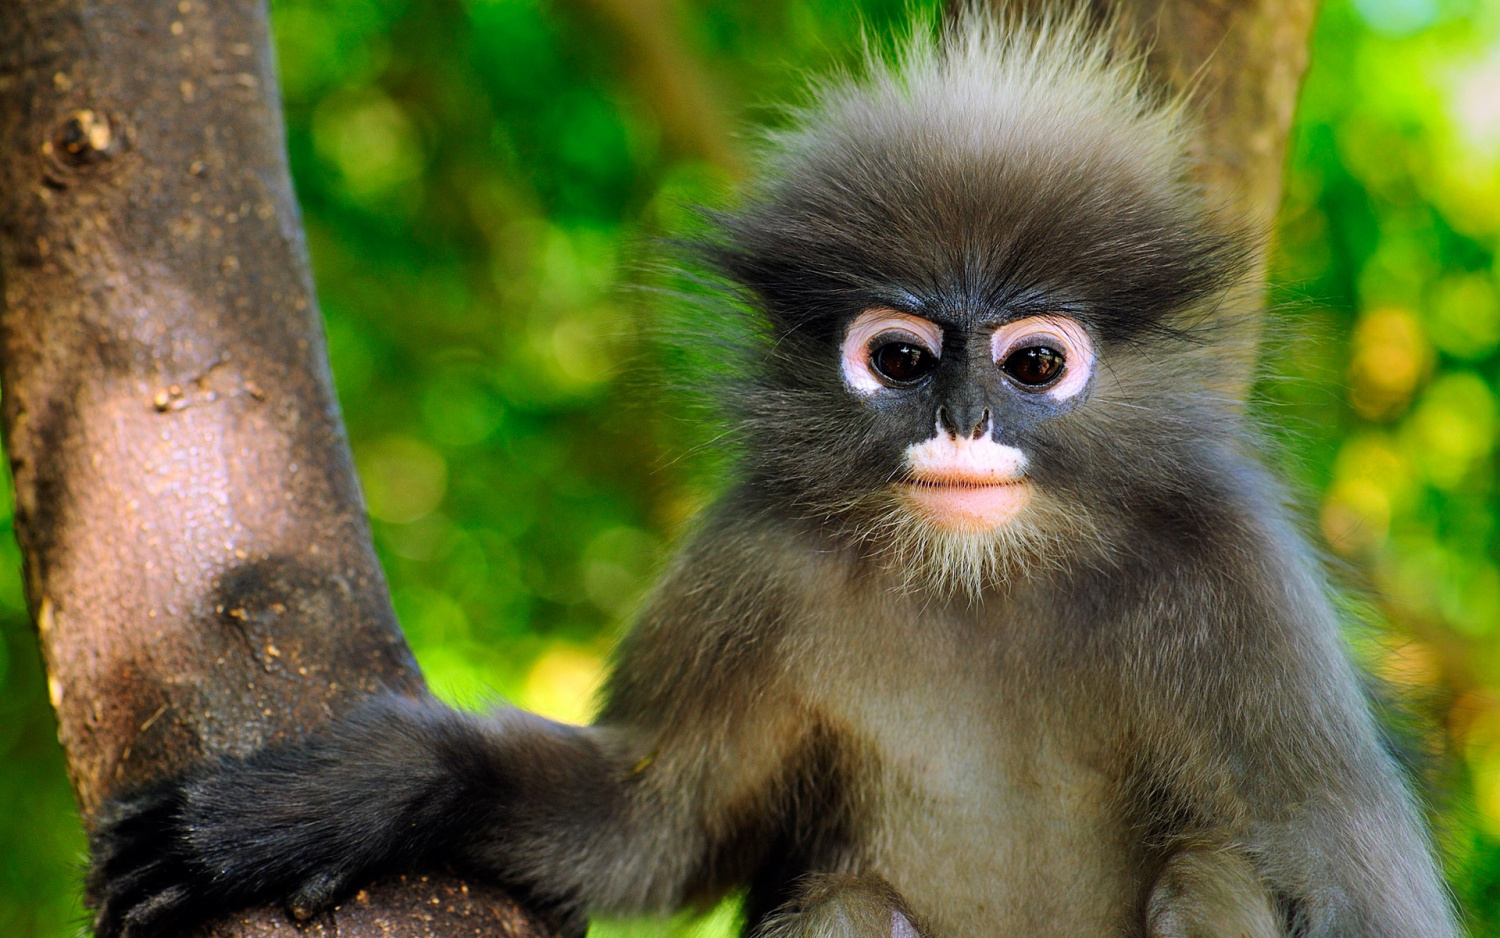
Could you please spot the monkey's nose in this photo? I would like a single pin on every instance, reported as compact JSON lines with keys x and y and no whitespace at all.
{"x":970,"y":422}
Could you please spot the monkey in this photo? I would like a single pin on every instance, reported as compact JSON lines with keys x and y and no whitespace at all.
{"x":1002,"y":626}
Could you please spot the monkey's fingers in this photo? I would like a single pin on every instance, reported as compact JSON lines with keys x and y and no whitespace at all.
{"x":150,"y":916}
{"x":318,"y":894}
{"x":144,"y":877}
{"x":142,"y":902}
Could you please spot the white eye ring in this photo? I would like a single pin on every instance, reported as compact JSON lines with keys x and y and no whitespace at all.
{"x":1058,"y":332}
{"x":872,"y":324}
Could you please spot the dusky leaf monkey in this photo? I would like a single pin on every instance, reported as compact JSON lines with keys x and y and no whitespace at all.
{"x":1003,"y":628}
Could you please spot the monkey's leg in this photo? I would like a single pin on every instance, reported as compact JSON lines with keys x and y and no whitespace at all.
{"x":829,"y":906}
{"x":1211,"y":892}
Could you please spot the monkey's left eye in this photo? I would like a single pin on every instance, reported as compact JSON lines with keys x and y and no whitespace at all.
{"x":1035,"y":366}
{"x":1049,"y":356}
{"x":902,"y":362}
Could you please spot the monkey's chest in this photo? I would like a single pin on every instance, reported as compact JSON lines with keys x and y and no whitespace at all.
{"x":990,"y":835}
{"x":988,"y":812}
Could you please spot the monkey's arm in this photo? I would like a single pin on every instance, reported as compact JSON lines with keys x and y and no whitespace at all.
{"x":1262,"y":725}
{"x":633,"y":813}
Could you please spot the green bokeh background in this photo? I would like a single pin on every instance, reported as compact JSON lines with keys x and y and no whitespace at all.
{"x":477,"y":176}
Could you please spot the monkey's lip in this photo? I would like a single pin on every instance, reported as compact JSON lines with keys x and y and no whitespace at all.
{"x":967,"y":503}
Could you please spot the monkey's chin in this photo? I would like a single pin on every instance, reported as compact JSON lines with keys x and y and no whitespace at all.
{"x":968,"y":507}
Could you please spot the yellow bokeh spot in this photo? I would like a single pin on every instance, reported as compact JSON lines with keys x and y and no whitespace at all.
{"x":370,"y":140}
{"x":1453,"y":428}
{"x":563,"y":683}
{"x":1481,"y":743}
{"x":1410,"y":665}
{"x":1465,"y":316}
{"x":1390,"y":356}
{"x":1474,"y":608}
{"x":1372,"y":484}
{"x":1486,"y":774}
{"x":404,"y":479}
{"x":581,"y":354}
{"x":1356,"y":516}
{"x":1410,"y":571}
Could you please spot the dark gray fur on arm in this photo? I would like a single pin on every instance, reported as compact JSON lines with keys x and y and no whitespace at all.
{"x":1256,"y":735}
{"x":685,"y":766}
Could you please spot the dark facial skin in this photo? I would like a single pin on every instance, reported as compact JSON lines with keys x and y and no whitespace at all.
{"x":954,"y":656}
{"x":961,"y":386}
{"x":968,"y":395}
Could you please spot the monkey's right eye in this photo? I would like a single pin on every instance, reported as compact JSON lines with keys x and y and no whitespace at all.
{"x":902,"y":362}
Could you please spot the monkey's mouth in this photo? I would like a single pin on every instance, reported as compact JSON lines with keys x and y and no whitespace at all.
{"x":967,"y":503}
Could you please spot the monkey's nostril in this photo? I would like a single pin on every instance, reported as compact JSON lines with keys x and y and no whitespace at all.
{"x":945,"y":421}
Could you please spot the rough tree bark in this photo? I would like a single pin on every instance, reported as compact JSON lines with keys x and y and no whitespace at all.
{"x":197,"y":556}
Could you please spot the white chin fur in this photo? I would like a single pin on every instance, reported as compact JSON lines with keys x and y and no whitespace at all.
{"x":923,"y":554}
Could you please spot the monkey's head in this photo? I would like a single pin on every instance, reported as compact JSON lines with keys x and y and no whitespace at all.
{"x":991,"y":293}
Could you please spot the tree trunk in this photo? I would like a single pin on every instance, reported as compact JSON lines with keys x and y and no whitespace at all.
{"x":1243,"y":62}
{"x":197,"y":557}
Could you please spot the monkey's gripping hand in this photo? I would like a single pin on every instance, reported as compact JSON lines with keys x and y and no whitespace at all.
{"x":397,"y":785}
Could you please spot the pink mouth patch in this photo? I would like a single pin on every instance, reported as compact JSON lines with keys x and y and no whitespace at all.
{"x":966,"y":485}
{"x":969,"y":507}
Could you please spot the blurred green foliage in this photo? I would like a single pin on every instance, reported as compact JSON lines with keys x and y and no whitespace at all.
{"x":476,"y":176}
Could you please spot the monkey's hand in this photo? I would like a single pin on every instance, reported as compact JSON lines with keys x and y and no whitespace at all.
{"x":1211,"y":889}
{"x":842,"y":906}
{"x":379,"y":791}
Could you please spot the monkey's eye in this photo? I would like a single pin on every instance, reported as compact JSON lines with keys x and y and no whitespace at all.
{"x":902,"y":362}
{"x":886,"y":349}
{"x":1035,"y":366}
{"x":1050,"y":356}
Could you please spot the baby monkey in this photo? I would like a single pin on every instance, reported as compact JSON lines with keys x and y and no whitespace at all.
{"x":1003,"y":629}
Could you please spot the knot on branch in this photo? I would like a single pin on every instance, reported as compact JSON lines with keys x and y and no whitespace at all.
{"x":83,"y":140}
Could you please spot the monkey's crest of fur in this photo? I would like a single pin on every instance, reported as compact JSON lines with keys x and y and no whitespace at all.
{"x":993,"y":156}
{"x":985,"y":90}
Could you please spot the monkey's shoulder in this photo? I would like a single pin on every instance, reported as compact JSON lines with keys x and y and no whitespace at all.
{"x":742,"y":566}
{"x":716,"y":624}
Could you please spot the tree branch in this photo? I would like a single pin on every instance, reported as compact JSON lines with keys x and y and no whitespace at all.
{"x":673,"y":81}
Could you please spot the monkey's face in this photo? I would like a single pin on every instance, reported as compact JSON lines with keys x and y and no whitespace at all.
{"x":941,"y":436}
{"x":969,"y":398}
